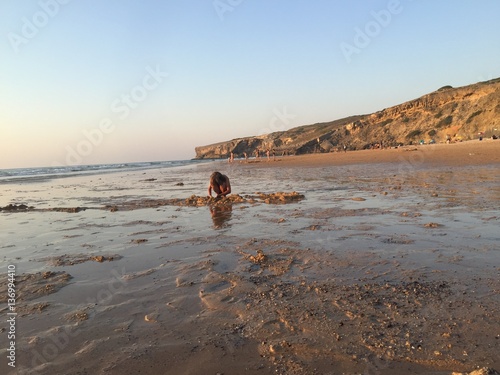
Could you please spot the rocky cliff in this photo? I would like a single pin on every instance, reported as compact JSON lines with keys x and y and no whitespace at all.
{"x":459,"y":113}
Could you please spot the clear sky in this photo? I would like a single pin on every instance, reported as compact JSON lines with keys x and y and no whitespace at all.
{"x":94,"y":81}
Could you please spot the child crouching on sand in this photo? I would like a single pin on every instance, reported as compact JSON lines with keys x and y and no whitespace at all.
{"x":220,"y":184}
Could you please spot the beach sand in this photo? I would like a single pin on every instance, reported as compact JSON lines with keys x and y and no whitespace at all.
{"x":371,"y":262}
{"x":457,"y":154}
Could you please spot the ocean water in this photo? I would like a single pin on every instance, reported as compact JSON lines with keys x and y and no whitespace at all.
{"x":47,"y":173}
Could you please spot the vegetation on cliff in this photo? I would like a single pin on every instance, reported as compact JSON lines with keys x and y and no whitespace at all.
{"x":455,"y":113}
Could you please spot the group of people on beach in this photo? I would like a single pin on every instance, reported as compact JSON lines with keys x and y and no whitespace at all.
{"x":258,"y":154}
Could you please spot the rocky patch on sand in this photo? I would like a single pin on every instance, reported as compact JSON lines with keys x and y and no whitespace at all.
{"x":70,"y":260}
{"x":200,"y":201}
{"x":192,"y":201}
{"x":268,"y":198}
{"x":25,"y":208}
{"x":72,"y":210}
{"x":16,"y":208}
{"x":33,"y":308}
{"x":32,"y":286}
{"x":77,"y":316}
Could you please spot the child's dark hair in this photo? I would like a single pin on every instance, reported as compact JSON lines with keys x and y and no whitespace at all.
{"x":217,"y":178}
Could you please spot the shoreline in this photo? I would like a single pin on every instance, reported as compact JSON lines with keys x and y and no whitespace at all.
{"x":48,"y":174}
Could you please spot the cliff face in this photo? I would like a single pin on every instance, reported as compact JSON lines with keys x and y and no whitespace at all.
{"x":459,"y":113}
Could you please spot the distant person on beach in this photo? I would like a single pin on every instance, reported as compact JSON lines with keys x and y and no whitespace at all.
{"x":220,"y":185}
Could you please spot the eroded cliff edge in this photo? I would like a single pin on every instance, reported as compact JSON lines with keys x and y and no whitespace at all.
{"x":458,"y":113}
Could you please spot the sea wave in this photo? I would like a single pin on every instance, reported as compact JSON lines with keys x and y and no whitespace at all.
{"x":46,"y":173}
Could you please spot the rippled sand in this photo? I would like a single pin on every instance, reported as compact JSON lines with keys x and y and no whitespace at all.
{"x":388,"y":265}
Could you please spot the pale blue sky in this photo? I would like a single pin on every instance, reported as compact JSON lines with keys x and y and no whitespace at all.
{"x":161,"y":77}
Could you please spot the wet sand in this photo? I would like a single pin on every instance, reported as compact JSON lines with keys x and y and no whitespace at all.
{"x":370,"y":262}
